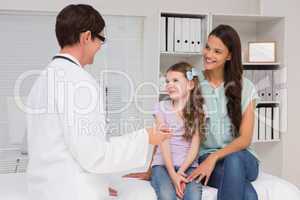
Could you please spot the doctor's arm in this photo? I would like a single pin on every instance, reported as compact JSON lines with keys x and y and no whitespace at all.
{"x":86,"y":138}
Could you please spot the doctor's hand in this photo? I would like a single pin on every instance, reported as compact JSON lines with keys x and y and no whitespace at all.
{"x":112,"y":192}
{"x":204,"y":170}
{"x":157,"y":136}
{"x":140,"y":175}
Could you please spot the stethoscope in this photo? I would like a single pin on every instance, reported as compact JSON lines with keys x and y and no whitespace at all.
{"x":65,"y":58}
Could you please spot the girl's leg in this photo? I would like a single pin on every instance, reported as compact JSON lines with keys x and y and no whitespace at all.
{"x":162,"y":183}
{"x":193,"y":190}
{"x":233,"y":175}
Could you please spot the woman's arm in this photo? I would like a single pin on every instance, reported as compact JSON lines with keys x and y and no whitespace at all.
{"x":205,"y":169}
{"x":246,"y":133}
{"x":192,"y":154}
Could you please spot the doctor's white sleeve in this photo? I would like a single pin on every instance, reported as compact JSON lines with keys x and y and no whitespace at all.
{"x":84,"y":134}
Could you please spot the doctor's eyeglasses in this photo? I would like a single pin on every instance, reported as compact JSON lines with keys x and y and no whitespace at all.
{"x":101,"y":38}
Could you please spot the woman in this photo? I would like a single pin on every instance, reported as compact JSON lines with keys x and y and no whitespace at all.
{"x":226,"y":160}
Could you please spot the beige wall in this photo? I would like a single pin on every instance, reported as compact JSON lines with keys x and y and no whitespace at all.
{"x":290,"y":139}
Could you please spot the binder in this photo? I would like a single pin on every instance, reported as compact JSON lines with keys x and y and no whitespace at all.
{"x":260,"y":83}
{"x":170,"y":34}
{"x":185,"y":34}
{"x":269,"y":86}
{"x":255,"y":129}
{"x":261,"y":124}
{"x":268,"y":123}
{"x":198,"y":32}
{"x":276,"y":123}
{"x":178,"y":35}
{"x":163,"y":34}
{"x":276,"y":85}
{"x":193,"y":36}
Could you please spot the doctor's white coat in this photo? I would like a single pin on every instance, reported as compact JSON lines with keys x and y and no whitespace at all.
{"x":67,"y":146}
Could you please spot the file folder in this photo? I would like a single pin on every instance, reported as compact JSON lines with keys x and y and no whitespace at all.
{"x":269,"y":122}
{"x":178,"y":35}
{"x":269,"y":86}
{"x":193,"y":36}
{"x":163,"y":34}
{"x":170,"y":34}
{"x":198,"y":32}
{"x":186,"y":34}
{"x":261,"y":124}
{"x":255,"y":129}
{"x":276,"y":123}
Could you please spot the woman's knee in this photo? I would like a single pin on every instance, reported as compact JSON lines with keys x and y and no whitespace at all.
{"x":234,"y":160}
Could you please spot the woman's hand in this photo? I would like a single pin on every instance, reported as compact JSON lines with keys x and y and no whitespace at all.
{"x":141,"y":175}
{"x":179,"y":182}
{"x":204,"y":170}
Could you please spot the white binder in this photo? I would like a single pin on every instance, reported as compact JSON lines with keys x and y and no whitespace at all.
{"x":255,"y":130}
{"x":276,"y":123}
{"x":198,"y":32}
{"x":163,"y":34}
{"x":261,"y":124}
{"x":178,"y":35}
{"x":186,"y":34}
{"x":269,"y":87}
{"x":269,"y":123}
{"x":170,"y":36}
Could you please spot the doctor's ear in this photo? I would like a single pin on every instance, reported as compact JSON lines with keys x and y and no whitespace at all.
{"x":85,"y":36}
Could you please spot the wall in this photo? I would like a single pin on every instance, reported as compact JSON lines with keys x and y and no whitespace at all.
{"x":291,"y":138}
{"x":139,"y":7}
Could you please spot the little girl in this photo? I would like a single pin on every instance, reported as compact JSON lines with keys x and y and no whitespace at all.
{"x":176,"y":158}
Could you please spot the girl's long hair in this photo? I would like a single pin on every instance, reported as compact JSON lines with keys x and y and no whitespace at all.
{"x":233,"y":72}
{"x":193,"y":114}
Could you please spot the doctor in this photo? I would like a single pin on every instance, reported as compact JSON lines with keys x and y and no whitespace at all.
{"x":66,"y":138}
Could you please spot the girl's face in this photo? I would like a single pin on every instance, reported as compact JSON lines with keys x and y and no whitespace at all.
{"x":178,"y":86}
{"x":215,"y":54}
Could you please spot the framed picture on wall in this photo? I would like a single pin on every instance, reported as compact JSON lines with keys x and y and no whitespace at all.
{"x":261,"y":52}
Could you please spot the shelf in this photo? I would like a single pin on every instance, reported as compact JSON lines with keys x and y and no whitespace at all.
{"x":261,"y":66}
{"x":267,"y":104}
{"x":245,"y":18}
{"x":167,"y":53}
{"x":163,"y":92}
{"x":265,"y":141}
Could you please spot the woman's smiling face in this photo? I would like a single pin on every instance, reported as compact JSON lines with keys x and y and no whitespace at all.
{"x":215,"y":53}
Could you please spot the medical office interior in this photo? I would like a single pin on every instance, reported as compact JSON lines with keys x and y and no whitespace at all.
{"x":144,"y":39}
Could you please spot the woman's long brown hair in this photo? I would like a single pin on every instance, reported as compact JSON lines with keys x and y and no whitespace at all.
{"x":193,"y":114}
{"x":233,"y":72}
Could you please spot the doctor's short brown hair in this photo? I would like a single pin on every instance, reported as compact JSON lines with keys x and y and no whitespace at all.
{"x":75,"y":19}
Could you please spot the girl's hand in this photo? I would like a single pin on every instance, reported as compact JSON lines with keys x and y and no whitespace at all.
{"x":141,"y":175}
{"x":179,"y":182}
{"x":204,"y":170}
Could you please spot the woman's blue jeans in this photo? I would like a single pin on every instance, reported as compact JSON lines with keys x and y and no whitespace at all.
{"x":232,"y":176}
{"x":164,"y":188}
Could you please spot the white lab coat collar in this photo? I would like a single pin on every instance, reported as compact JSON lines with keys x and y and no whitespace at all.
{"x":70,"y":57}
